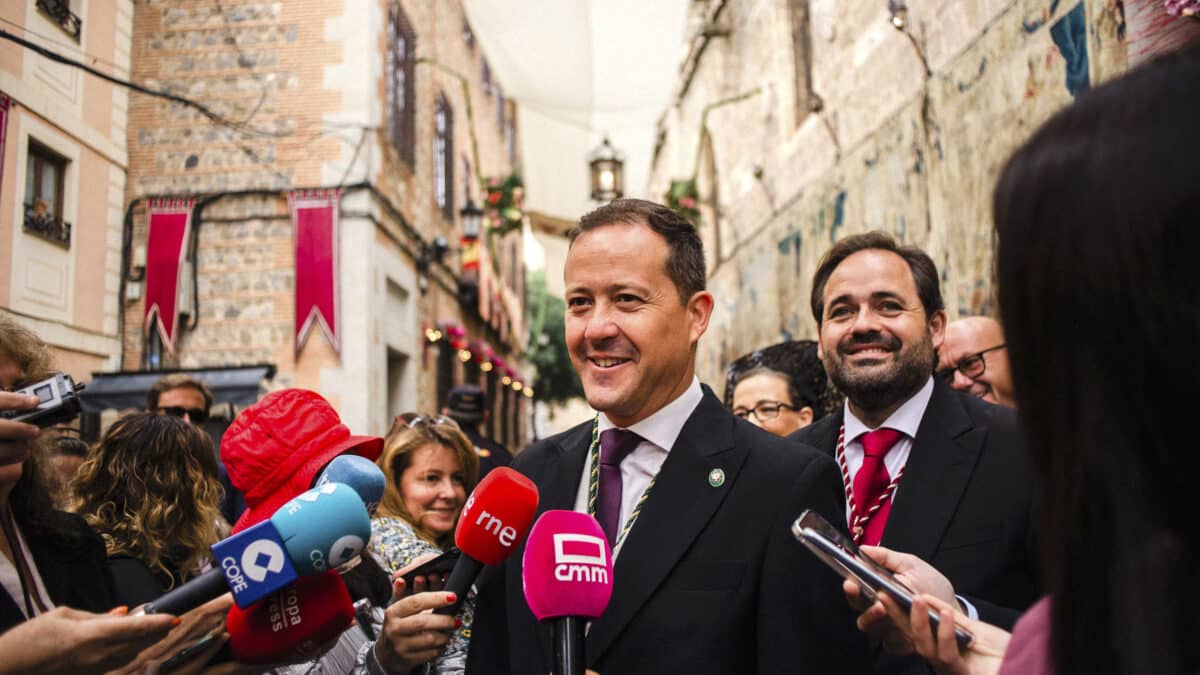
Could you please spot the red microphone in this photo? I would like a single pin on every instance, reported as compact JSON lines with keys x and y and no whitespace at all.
{"x":493,"y":522}
{"x":293,"y":623}
{"x":567,"y":577}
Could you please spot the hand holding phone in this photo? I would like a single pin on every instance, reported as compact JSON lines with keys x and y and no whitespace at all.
{"x":841,"y":554}
{"x":441,"y":566}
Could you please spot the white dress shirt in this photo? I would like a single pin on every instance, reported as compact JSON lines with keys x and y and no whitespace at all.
{"x":659,"y":432}
{"x":906,"y":419}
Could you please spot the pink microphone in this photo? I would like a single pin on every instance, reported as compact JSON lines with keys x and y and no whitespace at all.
{"x":567,"y":577}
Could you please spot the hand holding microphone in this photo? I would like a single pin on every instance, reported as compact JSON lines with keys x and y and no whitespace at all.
{"x":567,"y":578}
{"x":493,"y":522}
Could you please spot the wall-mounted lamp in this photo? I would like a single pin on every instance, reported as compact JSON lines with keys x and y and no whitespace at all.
{"x":899,"y":13}
{"x":472,"y":219}
{"x":608,"y":173}
{"x":430,"y":253}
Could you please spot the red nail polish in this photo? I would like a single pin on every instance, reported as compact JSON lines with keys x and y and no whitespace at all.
{"x":451,"y":598}
{"x":457,"y":622}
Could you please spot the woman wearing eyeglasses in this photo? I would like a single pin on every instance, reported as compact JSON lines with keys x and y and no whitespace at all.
{"x":780,"y":389}
{"x":150,"y":489}
{"x":430,"y":467}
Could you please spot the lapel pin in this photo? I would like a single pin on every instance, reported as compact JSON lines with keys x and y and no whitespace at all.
{"x":716,"y":477}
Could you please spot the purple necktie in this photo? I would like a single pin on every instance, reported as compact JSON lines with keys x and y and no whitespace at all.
{"x":615,"y":445}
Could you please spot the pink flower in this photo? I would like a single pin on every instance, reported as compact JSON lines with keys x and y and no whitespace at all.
{"x":687,"y":202}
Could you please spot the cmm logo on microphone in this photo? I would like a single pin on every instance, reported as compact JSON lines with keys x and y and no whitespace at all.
{"x":580,"y":558}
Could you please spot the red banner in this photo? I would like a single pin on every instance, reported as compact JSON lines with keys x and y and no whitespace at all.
{"x":4,"y":103}
{"x":315,"y":217}
{"x":166,"y":245}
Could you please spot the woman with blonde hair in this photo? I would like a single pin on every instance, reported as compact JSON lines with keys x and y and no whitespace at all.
{"x":150,"y":490}
{"x":430,"y":467}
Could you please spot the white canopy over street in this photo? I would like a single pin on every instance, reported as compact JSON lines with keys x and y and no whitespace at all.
{"x":581,"y":70}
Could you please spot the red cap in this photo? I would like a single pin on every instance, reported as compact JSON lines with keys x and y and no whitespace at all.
{"x":276,"y":447}
{"x":567,"y":569}
{"x":496,"y":516}
{"x":291,"y":623}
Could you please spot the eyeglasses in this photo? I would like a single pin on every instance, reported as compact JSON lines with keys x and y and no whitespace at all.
{"x":432,"y":420}
{"x":767,"y":410}
{"x":196,"y":415}
{"x":972,"y":366}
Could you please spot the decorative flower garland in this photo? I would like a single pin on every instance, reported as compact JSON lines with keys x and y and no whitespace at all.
{"x":502,"y":211}
{"x":684,"y":198}
{"x":1190,"y":8}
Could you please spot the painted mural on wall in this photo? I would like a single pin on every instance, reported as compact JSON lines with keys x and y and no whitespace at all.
{"x":925,"y":173}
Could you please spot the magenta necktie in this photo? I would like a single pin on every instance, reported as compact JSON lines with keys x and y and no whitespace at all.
{"x":615,"y":446}
{"x":871,"y":483}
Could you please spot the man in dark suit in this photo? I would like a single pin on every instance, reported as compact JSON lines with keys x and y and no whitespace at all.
{"x":929,"y":471}
{"x":707,"y":577}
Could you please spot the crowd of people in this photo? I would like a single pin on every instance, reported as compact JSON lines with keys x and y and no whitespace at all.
{"x":1027,"y":478}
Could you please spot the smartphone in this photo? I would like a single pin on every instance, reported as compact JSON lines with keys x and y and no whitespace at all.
{"x":837,"y":551}
{"x":439,"y":565}
{"x":187,"y":653}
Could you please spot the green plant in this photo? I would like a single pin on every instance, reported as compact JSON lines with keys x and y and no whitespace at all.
{"x":684,"y":197}
{"x":556,"y":380}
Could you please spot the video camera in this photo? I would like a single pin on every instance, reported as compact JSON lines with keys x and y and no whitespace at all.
{"x":57,"y":402}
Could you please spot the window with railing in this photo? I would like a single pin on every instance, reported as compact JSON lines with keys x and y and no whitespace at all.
{"x":443,"y":154}
{"x":60,"y":12}
{"x":44,"y":172}
{"x":401,"y":62}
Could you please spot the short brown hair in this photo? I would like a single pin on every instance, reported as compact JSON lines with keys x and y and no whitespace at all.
{"x":685,"y":261}
{"x":924,"y":271}
{"x":177,"y":381}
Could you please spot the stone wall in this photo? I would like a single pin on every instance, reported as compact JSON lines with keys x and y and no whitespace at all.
{"x":889,"y":147}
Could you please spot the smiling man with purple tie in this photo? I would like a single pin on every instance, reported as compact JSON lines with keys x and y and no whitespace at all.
{"x":696,"y":503}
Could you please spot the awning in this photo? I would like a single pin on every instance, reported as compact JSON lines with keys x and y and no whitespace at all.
{"x":239,"y":386}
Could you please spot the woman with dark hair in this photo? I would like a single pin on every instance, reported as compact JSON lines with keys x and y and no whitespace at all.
{"x":1098,"y":223}
{"x":780,"y":388}
{"x":150,"y":490}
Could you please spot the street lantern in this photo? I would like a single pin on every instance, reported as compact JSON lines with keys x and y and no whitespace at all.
{"x":472,"y":219}
{"x":608,"y":179}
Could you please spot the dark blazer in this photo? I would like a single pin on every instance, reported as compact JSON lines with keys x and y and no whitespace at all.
{"x":73,"y":568}
{"x":710,"y":579}
{"x":965,"y":503}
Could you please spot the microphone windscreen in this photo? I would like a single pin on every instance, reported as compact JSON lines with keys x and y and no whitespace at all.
{"x":323,"y":527}
{"x":567,"y":569}
{"x":293,"y":623}
{"x":496,"y":516}
{"x":359,"y":473}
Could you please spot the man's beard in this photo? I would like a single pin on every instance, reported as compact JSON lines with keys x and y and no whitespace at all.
{"x":880,"y":389}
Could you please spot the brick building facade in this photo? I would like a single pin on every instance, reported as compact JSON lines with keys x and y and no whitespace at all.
{"x":823,"y":119}
{"x":390,"y":101}
{"x":63,"y":166}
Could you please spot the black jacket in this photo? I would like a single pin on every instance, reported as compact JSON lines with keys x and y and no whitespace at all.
{"x":709,"y":580}
{"x":72,"y":566}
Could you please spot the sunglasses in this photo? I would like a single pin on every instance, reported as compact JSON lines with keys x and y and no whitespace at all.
{"x":196,"y":415}
{"x":432,"y":420}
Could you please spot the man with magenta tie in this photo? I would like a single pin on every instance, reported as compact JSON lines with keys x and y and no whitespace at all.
{"x":928,"y":471}
{"x":696,"y":503}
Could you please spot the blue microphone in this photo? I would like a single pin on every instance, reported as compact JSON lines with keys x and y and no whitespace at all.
{"x":359,"y":473}
{"x":317,"y":531}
